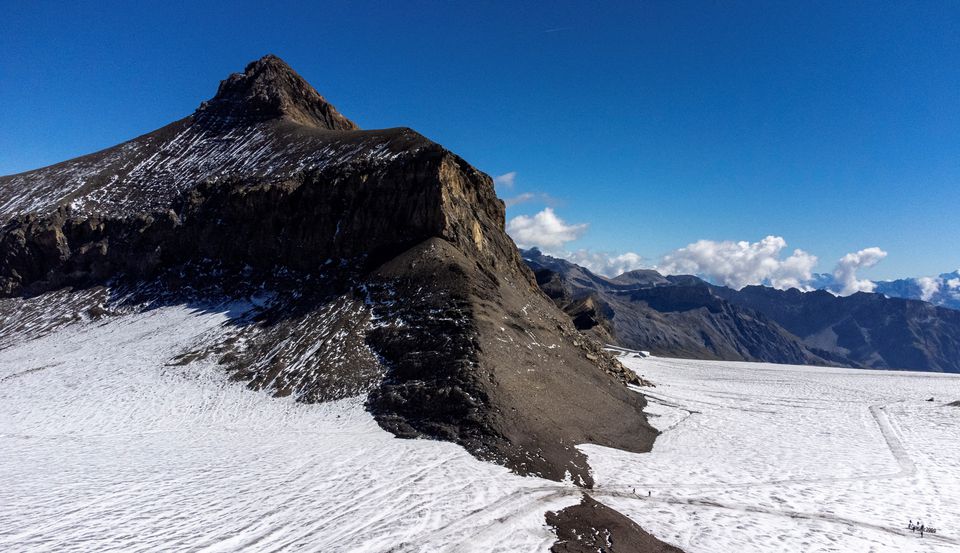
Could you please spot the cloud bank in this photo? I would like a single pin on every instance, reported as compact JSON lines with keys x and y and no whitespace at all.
{"x":544,"y":230}
{"x":606,"y":264}
{"x":739,"y":264}
{"x":929,"y":287}
{"x":505,"y":180}
{"x":727,"y":263}
{"x":845,"y":274}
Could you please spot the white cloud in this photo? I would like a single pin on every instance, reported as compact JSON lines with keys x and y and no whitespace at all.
{"x":505,"y":180}
{"x":929,"y":286}
{"x":845,"y":273}
{"x":544,"y":230}
{"x":519,"y":199}
{"x":603,"y":263}
{"x":953,"y":288}
{"x":738,"y":264}
{"x":525,"y":197}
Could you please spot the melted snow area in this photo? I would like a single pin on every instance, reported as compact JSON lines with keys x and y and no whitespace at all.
{"x":106,"y":447}
{"x":760,"y":457}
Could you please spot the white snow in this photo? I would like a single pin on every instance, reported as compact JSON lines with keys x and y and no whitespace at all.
{"x":104,"y":447}
{"x":762,"y":457}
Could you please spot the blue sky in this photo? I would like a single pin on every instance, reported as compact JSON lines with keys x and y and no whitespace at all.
{"x":834,"y":125}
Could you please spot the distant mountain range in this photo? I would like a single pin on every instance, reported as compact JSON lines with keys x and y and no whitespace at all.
{"x":685,"y":316}
{"x":942,"y":290}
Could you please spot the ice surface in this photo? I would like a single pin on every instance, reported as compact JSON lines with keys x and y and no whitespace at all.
{"x":105,"y":447}
{"x":762,"y":457}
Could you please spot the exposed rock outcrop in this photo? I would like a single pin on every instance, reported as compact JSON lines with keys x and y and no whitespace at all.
{"x":267,"y":89}
{"x":591,"y":526}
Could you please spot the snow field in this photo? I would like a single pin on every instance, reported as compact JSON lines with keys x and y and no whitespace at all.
{"x":762,"y":457}
{"x":106,"y":447}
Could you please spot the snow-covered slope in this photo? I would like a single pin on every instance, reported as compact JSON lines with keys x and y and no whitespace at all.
{"x":105,"y":446}
{"x":759,"y":457}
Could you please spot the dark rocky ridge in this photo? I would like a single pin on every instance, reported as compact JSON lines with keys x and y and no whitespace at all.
{"x":591,"y":527}
{"x":268,"y":89}
{"x":868,"y":330}
{"x":383,"y":235}
{"x":684,"y":316}
{"x":669,"y":316}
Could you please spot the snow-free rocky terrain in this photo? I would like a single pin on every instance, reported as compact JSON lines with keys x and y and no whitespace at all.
{"x":378,"y":284}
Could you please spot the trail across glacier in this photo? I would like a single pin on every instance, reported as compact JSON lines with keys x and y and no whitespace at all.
{"x":760,"y":457}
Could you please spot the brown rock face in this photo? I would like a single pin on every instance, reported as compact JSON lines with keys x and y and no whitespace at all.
{"x":386,"y":255}
{"x":591,"y":527}
{"x":269,"y":89}
{"x":483,"y":360}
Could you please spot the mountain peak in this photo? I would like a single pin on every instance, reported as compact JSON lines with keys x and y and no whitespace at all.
{"x":268,"y":88}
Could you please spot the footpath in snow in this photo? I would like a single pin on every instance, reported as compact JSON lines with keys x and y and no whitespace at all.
{"x":762,"y":457}
{"x":104,"y":447}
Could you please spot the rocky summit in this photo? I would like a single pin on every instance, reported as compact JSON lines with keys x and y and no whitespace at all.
{"x":376,"y":260}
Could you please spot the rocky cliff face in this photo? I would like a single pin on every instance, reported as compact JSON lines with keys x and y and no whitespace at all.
{"x":266,"y":90}
{"x":378,"y":260}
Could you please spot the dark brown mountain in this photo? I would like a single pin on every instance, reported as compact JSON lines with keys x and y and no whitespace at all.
{"x":381,"y":256}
